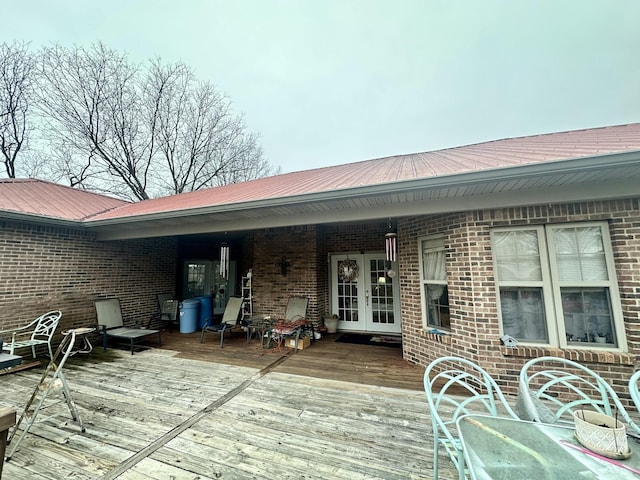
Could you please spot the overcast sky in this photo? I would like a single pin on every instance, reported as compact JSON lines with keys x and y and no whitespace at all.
{"x":326,"y":82}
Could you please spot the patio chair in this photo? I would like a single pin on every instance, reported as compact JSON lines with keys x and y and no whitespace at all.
{"x":38,"y":332}
{"x":456,"y":387}
{"x":634,"y":389}
{"x":294,"y":323}
{"x":168,"y":309}
{"x":111,"y":325}
{"x":227,"y":324}
{"x":552,"y":388}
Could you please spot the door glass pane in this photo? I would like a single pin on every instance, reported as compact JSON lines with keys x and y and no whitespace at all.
{"x":196,"y":279}
{"x":221,"y":288}
{"x":587,"y":316}
{"x":347,"y":282}
{"x":381,"y":287}
{"x":523,"y":314}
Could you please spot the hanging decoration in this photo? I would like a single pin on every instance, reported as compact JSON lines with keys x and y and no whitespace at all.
{"x":224,"y":261}
{"x":283,"y":265}
{"x":390,"y":240}
{"x":347,"y":270}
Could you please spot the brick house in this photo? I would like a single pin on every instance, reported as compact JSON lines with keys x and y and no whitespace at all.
{"x":536,"y":237}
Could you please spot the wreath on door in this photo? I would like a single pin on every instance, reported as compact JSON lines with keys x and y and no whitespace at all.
{"x":347,"y":270}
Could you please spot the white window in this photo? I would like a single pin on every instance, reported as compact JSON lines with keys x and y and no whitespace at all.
{"x":433,"y":275}
{"x":557,"y":285}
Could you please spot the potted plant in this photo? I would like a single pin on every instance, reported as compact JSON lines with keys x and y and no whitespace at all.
{"x":331,"y":322}
{"x":599,"y":337}
{"x":601,"y":433}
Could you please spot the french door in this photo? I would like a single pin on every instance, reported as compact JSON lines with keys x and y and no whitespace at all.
{"x":365,"y":293}
{"x":202,"y":277}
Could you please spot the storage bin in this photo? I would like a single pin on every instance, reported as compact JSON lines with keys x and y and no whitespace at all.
{"x":189,"y":310}
{"x":206,"y":309}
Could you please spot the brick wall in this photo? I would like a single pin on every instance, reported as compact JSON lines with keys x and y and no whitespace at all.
{"x":306,"y":249}
{"x":271,"y":289}
{"x":46,"y":268}
{"x":475,"y":329}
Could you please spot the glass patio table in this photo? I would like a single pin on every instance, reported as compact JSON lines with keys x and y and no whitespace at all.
{"x":497,"y":448}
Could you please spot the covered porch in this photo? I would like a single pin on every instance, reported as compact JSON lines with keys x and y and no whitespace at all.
{"x":190,"y":410}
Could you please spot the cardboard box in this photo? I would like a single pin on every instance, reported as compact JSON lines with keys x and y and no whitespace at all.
{"x":303,"y":342}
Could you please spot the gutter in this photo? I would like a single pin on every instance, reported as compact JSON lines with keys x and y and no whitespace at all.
{"x":510,"y":173}
{"x":41,"y":219}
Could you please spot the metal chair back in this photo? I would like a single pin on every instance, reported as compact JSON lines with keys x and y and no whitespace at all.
{"x":456,"y":387}
{"x":551,"y":389}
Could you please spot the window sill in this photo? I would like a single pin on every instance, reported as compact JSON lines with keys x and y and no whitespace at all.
{"x":442,"y":337}
{"x":587,"y":356}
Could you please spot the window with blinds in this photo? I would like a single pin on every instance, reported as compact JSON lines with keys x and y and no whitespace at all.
{"x":557,"y":285}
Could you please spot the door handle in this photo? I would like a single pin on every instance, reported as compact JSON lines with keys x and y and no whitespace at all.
{"x":366,"y":297}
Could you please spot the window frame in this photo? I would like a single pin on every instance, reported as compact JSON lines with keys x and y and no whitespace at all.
{"x":551,"y":285}
{"x":439,"y":242}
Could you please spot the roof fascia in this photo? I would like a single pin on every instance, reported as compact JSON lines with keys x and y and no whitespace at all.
{"x":39,"y":219}
{"x":560,"y":194}
{"x":576,"y":165}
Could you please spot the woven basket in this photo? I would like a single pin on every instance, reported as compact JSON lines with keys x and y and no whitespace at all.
{"x":601,"y":434}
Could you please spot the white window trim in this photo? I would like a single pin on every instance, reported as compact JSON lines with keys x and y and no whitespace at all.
{"x":551,"y":288}
{"x":423,"y":282}
{"x":611,"y":284}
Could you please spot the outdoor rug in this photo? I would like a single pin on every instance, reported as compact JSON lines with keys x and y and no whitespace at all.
{"x":380,"y":340}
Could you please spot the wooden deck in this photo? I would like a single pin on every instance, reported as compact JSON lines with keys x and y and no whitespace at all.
{"x":195,"y":411}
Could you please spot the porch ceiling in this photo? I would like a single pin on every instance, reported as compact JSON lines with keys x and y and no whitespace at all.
{"x":593,"y":178}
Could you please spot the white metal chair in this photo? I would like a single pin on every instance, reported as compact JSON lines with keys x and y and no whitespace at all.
{"x":634,"y":389}
{"x":456,"y":387}
{"x":38,"y":332}
{"x":552,"y":388}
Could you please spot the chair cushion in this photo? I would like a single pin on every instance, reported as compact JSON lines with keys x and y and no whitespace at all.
{"x":216,"y":328}
{"x":124,"y":332}
{"x":287,"y":328}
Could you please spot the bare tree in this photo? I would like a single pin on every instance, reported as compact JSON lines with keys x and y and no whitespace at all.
{"x":244,"y":156}
{"x":92,"y":103}
{"x":116,"y":129}
{"x":16,"y":76}
{"x":202,"y":142}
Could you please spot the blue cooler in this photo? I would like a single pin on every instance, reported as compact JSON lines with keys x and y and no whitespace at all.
{"x":189,"y":310}
{"x":206,"y":309}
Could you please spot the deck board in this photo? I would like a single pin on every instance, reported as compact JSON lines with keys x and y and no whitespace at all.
{"x":191,"y":410}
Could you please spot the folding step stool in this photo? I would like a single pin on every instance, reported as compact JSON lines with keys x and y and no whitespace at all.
{"x":51,"y":380}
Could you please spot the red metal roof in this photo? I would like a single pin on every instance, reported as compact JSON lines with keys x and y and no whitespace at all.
{"x":48,"y":199}
{"x":481,"y":156}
